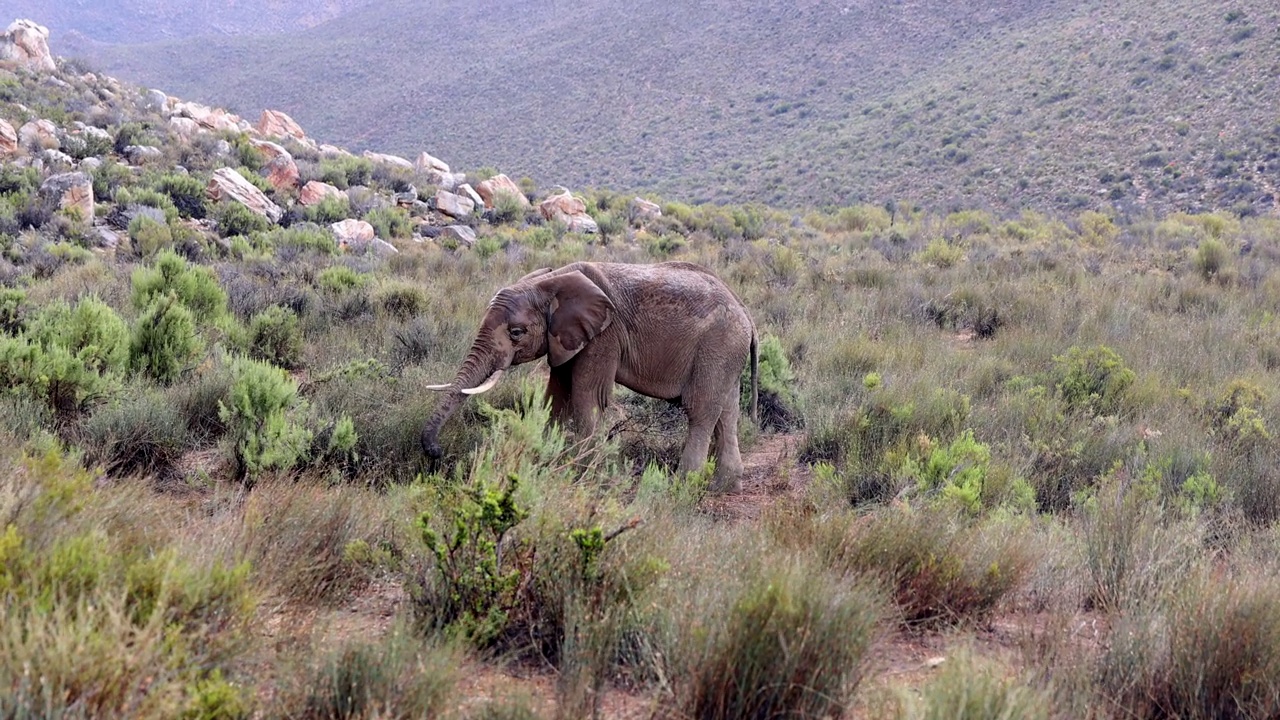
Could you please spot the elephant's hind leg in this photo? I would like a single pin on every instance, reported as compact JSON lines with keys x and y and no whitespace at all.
{"x":728,"y":458}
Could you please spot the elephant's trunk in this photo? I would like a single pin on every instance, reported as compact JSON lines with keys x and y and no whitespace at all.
{"x":480,"y":366}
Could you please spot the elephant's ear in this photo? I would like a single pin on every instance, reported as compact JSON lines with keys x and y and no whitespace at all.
{"x":534,"y":274}
{"x":578,"y":312}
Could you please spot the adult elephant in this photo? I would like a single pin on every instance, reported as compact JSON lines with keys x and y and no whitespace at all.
{"x":670,"y":330}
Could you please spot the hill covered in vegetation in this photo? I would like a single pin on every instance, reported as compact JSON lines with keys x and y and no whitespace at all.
{"x":1009,"y":105}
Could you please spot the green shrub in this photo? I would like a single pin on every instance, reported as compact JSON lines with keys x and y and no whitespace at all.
{"x":390,"y":223}
{"x":345,"y":171}
{"x":329,"y":210}
{"x":967,"y":688}
{"x":941,"y":254}
{"x":213,"y":697}
{"x":777,"y":386}
{"x":339,"y":279}
{"x":90,"y":330}
{"x":791,"y":642}
{"x":187,"y":194}
{"x":232,"y":218}
{"x":141,"y":432}
{"x":12,"y":310}
{"x":401,"y":300}
{"x":196,"y":287}
{"x":1212,"y":258}
{"x":149,"y":198}
{"x":165,"y":342}
{"x":148,"y":236}
{"x":259,"y":415}
{"x":274,"y":337}
{"x":303,"y":236}
{"x":1094,"y":379}
{"x":508,"y":207}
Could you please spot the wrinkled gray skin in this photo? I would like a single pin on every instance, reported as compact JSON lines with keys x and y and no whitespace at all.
{"x":671,"y":330}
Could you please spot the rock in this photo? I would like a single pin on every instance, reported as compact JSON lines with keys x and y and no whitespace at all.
{"x":444,"y":181}
{"x":426,"y":162}
{"x":352,"y":234}
{"x":462,"y":234}
{"x":96,"y":133}
{"x":642,"y":211}
{"x":407,"y":198}
{"x":121,"y":216}
{"x":183,"y":126}
{"x":156,"y":100}
{"x":419,"y":209}
{"x":489,"y":189}
{"x":8,"y":139}
{"x":107,"y":238}
{"x":90,"y":163}
{"x":388,"y":159}
{"x":39,"y":134}
{"x":570,"y":210}
{"x":69,"y":190}
{"x":315,"y":191}
{"x":332,"y":151}
{"x":469,"y":193}
{"x":382,"y":248}
{"x":26,"y":44}
{"x":363,"y":199}
{"x":215,"y":119}
{"x":57,"y":158}
{"x":142,"y":154}
{"x":227,"y":184}
{"x":282,"y":172}
{"x":274,"y":123}
{"x":269,"y":149}
{"x":454,"y":205}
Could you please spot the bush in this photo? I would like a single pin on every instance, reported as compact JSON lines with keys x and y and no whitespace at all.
{"x":274,"y":337}
{"x":340,"y":279}
{"x":187,"y":194}
{"x":165,"y":343}
{"x":91,"y":331}
{"x":791,"y":642}
{"x":196,"y":287}
{"x":390,"y":223}
{"x":777,"y":387}
{"x":148,"y":236}
{"x":303,"y":236}
{"x":259,"y":415}
{"x":140,"y":433}
{"x":968,"y":689}
{"x":329,"y":210}
{"x":1212,"y":258}
{"x":401,"y":300}
{"x":1094,"y":379}
{"x":232,"y":218}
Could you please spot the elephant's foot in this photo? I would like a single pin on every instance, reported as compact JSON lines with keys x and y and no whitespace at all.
{"x":727,"y":478}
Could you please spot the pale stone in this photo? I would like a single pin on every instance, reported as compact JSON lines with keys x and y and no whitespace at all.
{"x":69,"y":190}
{"x":26,"y":44}
{"x":275,"y":123}
{"x":461,"y":234}
{"x":8,"y":138}
{"x":570,"y":210}
{"x":388,"y":159}
{"x":427,"y":162}
{"x":352,"y":234}
{"x":500,"y":184}
{"x":315,"y":191}
{"x":227,"y":184}
{"x":454,"y":205}
{"x":39,"y":134}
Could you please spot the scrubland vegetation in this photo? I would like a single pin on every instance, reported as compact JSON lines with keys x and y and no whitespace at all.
{"x":1050,"y":436}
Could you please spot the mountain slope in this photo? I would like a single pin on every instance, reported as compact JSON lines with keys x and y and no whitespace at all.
{"x":1040,"y":103}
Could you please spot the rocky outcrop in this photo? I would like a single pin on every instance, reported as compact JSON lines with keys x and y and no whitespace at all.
{"x":215,"y":119}
{"x":282,"y":172}
{"x":315,"y":191}
{"x":426,"y":162}
{"x":642,"y":211}
{"x":460,"y":234}
{"x":227,"y":185}
{"x":184,"y":126}
{"x":26,"y":44}
{"x":274,"y":123}
{"x":497,"y":185}
{"x":8,"y":139}
{"x":69,"y":190}
{"x":470,"y":193}
{"x":388,"y":159}
{"x":570,"y":210}
{"x":455,"y":206}
{"x":39,"y":135}
{"x":142,"y":154}
{"x":357,"y":236}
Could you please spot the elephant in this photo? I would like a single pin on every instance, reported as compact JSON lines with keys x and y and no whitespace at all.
{"x":670,"y":330}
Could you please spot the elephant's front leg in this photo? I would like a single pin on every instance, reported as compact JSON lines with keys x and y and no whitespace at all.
{"x":560,"y":392}
{"x":592,"y":377}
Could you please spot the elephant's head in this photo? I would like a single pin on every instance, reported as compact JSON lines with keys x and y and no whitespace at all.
{"x":544,"y":313}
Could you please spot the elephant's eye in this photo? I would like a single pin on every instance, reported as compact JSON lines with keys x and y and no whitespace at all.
{"x":516,"y":333}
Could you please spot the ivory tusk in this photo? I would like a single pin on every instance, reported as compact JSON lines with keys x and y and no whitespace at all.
{"x":486,"y":385}
{"x":439,"y":388}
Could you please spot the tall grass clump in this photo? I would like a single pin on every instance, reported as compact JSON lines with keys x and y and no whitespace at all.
{"x":969,"y":688}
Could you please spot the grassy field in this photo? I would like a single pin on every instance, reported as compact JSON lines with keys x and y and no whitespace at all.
{"x":1011,"y":466}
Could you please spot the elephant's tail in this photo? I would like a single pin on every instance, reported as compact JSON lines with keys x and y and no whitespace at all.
{"x":755,"y":378}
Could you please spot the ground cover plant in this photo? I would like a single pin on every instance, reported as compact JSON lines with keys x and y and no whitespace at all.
{"x":1039,"y":448}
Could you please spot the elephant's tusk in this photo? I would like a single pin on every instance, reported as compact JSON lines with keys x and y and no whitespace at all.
{"x":486,"y":385}
{"x":440,"y":388}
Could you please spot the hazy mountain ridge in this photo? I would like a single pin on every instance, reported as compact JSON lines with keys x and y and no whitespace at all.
{"x":1037,"y":102}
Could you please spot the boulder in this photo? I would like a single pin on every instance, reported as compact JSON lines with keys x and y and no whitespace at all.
{"x":69,"y":190}
{"x":269,"y":149}
{"x":352,"y":234}
{"x":460,"y":234}
{"x":184,"y":126}
{"x":444,"y":181}
{"x":381,"y":248}
{"x":426,"y":162}
{"x":315,"y":191}
{"x":227,"y":184}
{"x":39,"y":134}
{"x":570,"y":210}
{"x":388,"y":159}
{"x":642,"y":211}
{"x":121,"y":216}
{"x":90,"y":131}
{"x":56,"y":158}
{"x":215,"y":119}
{"x":469,"y":193}
{"x":156,"y":100}
{"x":453,"y":205}
{"x":90,"y":163}
{"x":489,"y":189}
{"x":26,"y":44}
{"x":282,"y":172}
{"x":8,"y":139}
{"x":332,"y":151}
{"x":142,"y":154}
{"x":274,"y":123}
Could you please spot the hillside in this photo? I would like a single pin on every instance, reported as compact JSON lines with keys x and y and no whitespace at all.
{"x":139,"y":21}
{"x":1162,"y":105}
